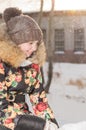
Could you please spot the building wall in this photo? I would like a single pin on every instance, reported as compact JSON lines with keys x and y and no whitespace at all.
{"x":68,"y":23}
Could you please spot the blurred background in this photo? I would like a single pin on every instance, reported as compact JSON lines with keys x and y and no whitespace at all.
{"x":63,"y":23}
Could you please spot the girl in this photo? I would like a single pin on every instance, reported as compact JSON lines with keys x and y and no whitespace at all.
{"x":22,"y":53}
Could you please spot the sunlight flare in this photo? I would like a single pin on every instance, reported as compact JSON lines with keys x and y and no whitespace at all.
{"x":70,"y":4}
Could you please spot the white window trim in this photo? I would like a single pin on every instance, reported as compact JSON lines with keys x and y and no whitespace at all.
{"x":59,"y":52}
{"x":79,"y":52}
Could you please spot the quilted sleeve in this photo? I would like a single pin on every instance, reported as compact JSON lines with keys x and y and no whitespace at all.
{"x":38,"y":96}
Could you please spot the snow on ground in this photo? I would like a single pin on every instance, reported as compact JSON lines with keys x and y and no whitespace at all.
{"x":67,"y":95}
{"x":75,"y":126}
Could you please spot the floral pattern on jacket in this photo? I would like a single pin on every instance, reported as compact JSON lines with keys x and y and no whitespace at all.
{"x":18,"y":81}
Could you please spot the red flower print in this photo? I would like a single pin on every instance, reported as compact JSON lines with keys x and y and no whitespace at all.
{"x":34,"y":74}
{"x":35,"y":66}
{"x":18,"y":78}
{"x":1,"y":86}
{"x":20,"y":105}
{"x":41,"y":106}
{"x":1,"y":66}
{"x":8,"y":121}
{"x":25,"y":111}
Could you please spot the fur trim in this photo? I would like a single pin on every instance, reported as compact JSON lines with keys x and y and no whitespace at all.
{"x":10,"y":52}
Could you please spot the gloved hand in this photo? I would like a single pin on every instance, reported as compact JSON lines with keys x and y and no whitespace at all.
{"x":50,"y":126}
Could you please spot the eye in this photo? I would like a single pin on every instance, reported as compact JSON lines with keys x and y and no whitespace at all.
{"x":31,"y":43}
{"x":37,"y":43}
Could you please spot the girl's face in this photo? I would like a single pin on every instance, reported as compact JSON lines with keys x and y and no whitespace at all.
{"x":29,"y":47}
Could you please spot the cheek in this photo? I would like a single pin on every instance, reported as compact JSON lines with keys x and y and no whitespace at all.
{"x":25,"y":48}
{"x":35,"y":47}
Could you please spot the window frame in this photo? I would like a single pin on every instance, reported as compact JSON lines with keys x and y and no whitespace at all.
{"x":79,"y":43}
{"x":59,"y":39}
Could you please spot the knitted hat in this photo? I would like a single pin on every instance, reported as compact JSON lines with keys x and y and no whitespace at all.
{"x":21,"y":28}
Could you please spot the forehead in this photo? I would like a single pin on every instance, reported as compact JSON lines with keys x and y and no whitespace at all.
{"x":28,"y":43}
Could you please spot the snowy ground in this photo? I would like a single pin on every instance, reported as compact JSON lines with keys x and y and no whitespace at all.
{"x":67,"y":95}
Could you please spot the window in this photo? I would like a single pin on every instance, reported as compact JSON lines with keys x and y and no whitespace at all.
{"x":59,"y":39}
{"x":44,"y":35}
{"x":79,"y":39}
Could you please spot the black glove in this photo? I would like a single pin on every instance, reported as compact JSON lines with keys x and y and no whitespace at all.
{"x":30,"y":122}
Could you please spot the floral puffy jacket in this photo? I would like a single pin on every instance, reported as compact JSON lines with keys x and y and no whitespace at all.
{"x":14,"y":83}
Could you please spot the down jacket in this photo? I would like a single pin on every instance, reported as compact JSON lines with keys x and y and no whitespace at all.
{"x":16,"y":80}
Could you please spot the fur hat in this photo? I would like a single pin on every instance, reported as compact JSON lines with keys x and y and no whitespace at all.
{"x":21,"y":28}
